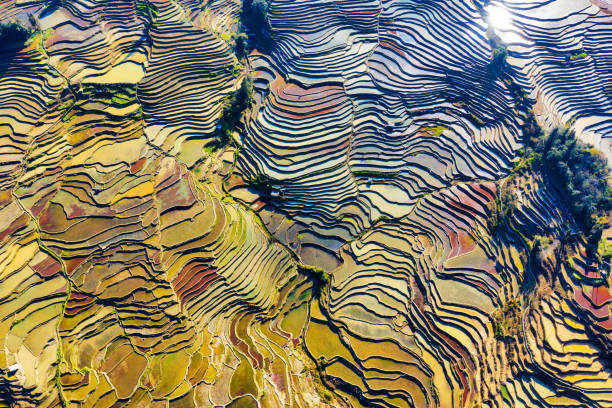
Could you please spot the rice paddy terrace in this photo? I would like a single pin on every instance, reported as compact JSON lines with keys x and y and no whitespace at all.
{"x":371,"y":233}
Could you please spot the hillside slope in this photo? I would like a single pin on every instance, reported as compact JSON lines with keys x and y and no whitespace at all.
{"x":356,"y":212}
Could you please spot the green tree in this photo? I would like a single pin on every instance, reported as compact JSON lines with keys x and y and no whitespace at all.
{"x":581,"y":174}
{"x":235,"y":105}
{"x":254,"y":16}
{"x":240,"y":45}
{"x":13,"y":35}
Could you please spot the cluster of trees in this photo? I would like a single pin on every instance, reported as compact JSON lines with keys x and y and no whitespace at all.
{"x":262,"y":183}
{"x":576,"y":170}
{"x":145,"y":9}
{"x":241,"y":45}
{"x":502,"y":209}
{"x":147,"y":12}
{"x":235,"y":105}
{"x":13,"y":35}
{"x":319,"y":277}
{"x":506,"y":320}
{"x":497,"y":65}
{"x":254,"y":17}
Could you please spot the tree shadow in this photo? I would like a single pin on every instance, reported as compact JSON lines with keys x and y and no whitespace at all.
{"x":13,"y":37}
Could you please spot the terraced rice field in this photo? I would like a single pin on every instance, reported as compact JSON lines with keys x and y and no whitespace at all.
{"x":346,"y":245}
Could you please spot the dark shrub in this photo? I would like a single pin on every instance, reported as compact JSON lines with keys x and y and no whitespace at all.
{"x":580,"y":173}
{"x":13,"y":35}
{"x":319,"y":277}
{"x":235,"y":105}
{"x":262,"y":183}
{"x":241,"y":45}
{"x":255,"y":17}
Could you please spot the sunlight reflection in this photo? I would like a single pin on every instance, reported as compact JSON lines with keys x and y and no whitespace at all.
{"x":500,"y":19}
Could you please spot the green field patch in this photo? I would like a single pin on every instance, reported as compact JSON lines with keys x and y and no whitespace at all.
{"x":243,"y":379}
{"x":294,"y":321}
{"x":436,"y":131}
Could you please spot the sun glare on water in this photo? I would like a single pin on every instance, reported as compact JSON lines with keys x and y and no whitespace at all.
{"x":500,"y":19}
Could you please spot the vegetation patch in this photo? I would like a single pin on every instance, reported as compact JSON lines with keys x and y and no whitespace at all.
{"x":145,"y":9}
{"x":502,"y":209}
{"x":235,"y":105}
{"x":254,"y":17}
{"x":579,"y":55}
{"x":318,"y":275}
{"x":240,"y":45}
{"x":13,"y":35}
{"x":436,"y":131}
{"x":505,"y":393}
{"x":376,"y":174}
{"x":604,"y":250}
{"x":262,"y":183}
{"x":112,"y":94}
{"x":476,"y":120}
{"x":506,"y":320}
{"x":497,"y":65}
{"x":116,"y":95}
{"x":578,"y":172}
{"x":148,"y":13}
